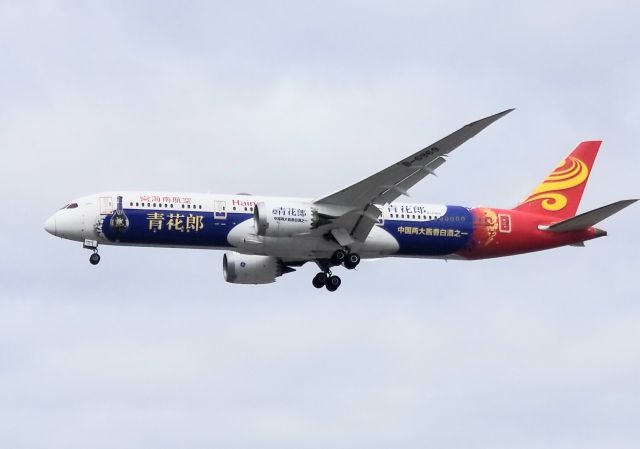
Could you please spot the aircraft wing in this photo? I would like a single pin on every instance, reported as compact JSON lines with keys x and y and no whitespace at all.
{"x":351,"y":213}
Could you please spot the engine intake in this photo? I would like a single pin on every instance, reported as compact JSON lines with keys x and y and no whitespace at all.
{"x":250,"y":269}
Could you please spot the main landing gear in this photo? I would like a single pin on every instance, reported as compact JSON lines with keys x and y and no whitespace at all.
{"x":349,"y":260}
{"x":94,"y":258}
{"x":325,"y":278}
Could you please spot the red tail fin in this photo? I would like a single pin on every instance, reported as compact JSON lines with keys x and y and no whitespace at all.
{"x":560,"y":193}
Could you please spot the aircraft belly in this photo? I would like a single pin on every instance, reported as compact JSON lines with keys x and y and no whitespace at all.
{"x":379,"y":242}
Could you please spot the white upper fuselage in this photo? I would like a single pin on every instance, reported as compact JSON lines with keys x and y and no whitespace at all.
{"x":227,"y":219}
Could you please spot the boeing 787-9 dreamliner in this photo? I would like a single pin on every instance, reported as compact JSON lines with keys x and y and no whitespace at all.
{"x":266,"y":237}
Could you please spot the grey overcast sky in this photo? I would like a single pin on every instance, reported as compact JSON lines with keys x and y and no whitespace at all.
{"x":152,"y":349}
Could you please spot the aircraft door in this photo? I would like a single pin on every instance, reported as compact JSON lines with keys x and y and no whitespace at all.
{"x":106,"y":205}
{"x":220,"y":210}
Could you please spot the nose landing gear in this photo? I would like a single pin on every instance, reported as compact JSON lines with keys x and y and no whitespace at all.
{"x":94,"y":258}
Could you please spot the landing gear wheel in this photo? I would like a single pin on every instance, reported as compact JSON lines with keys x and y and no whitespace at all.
{"x":352,"y":261}
{"x":338,"y":257}
{"x":333,"y":283}
{"x":319,"y":280}
{"x":94,"y":259}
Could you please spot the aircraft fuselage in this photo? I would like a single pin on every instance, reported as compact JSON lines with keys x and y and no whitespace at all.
{"x":227,"y":222}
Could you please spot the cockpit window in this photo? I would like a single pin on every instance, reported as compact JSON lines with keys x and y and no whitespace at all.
{"x":72,"y":206}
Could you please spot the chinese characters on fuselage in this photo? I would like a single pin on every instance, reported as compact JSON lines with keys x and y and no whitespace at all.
{"x":409,"y":209}
{"x":165,"y":199}
{"x":431,"y":232}
{"x":175,"y":222}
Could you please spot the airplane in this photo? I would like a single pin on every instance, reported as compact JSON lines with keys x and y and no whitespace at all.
{"x":266,"y":237}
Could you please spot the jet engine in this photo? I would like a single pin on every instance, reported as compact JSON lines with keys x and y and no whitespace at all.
{"x":284,"y":220}
{"x":250,"y":269}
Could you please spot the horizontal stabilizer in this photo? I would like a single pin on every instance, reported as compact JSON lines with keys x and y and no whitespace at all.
{"x":588,"y":219}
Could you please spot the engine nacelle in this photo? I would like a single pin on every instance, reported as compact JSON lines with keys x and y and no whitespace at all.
{"x":284,"y":220}
{"x":248,"y":269}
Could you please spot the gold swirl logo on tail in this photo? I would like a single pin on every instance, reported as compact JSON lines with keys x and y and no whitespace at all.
{"x":570,"y":173}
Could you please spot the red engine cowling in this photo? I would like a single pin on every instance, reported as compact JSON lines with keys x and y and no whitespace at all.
{"x":249,"y":269}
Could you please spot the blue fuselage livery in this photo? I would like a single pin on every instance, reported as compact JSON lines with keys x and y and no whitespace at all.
{"x":439,"y":236}
{"x":266,"y":237}
{"x":416,"y":234}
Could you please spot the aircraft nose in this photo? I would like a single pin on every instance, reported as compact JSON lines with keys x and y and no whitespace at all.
{"x":50,"y":225}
